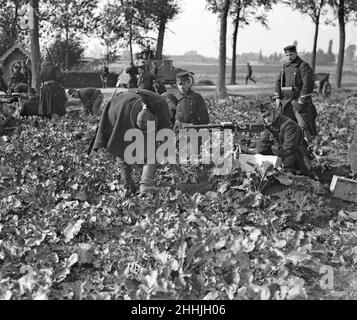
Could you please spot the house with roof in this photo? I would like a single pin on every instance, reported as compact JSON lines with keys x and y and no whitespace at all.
{"x":15,"y":54}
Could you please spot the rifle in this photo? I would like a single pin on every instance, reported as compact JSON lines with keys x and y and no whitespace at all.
{"x":235,"y":126}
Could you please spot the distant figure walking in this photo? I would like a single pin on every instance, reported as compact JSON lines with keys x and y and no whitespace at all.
{"x":104,"y":75}
{"x":249,"y":74}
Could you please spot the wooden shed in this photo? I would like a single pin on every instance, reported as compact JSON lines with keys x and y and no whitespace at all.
{"x":16,"y":53}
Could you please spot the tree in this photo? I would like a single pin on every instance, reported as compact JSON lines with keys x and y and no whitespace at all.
{"x":162,"y":11}
{"x":125,"y":21}
{"x":33,"y":17}
{"x":59,"y":49}
{"x":314,"y":9}
{"x":69,"y":17}
{"x":350,"y":53}
{"x":222,"y":8}
{"x":345,"y":10}
{"x":243,"y":11}
{"x":11,"y":14}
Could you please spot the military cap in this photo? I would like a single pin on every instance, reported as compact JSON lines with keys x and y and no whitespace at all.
{"x":291,"y":48}
{"x":183,"y":76}
{"x":267,"y":108}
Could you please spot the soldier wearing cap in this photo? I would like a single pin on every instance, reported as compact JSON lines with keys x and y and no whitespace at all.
{"x":131,"y":110}
{"x":293,"y":92}
{"x":284,"y":138}
{"x":191,"y":106}
{"x":91,"y":98}
{"x":146,"y":79}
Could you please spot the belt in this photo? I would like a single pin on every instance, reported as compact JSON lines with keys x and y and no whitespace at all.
{"x":46,"y":83}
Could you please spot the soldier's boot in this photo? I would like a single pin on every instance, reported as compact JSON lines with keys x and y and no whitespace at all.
{"x":129,"y":187}
{"x":147,"y":180}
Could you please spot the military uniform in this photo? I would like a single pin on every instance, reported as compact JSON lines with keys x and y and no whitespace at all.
{"x":92,"y":99}
{"x":191,"y":108}
{"x":16,"y":78}
{"x":30,"y":107}
{"x":124,"y":112}
{"x":294,"y":87}
{"x":288,"y":143}
{"x":146,"y":81}
{"x":132,"y":71}
{"x":52,"y":94}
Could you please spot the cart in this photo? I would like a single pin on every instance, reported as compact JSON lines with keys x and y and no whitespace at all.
{"x":322,"y":84}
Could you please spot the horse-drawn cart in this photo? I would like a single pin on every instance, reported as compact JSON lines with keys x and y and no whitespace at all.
{"x":322,"y":84}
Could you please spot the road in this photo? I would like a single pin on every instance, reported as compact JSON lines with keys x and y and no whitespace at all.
{"x":207,"y":91}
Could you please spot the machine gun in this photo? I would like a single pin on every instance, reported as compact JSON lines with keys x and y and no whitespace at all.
{"x":235,"y":126}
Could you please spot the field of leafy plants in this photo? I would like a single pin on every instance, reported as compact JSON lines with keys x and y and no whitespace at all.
{"x":67,"y":232}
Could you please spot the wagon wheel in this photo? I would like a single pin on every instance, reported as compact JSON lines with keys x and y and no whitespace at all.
{"x":326,"y":90}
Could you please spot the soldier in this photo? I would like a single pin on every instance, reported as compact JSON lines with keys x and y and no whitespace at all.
{"x":249,"y":74}
{"x":131,"y":110}
{"x":132,"y":71}
{"x":104,"y":75}
{"x":146,"y":78}
{"x":293,"y":92}
{"x":30,"y":106}
{"x":52,"y":94}
{"x":91,"y":98}
{"x":191,"y":106}
{"x":15,"y":78}
{"x":288,"y":141}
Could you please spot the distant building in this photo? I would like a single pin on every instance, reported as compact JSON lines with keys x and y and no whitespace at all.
{"x":15,"y":54}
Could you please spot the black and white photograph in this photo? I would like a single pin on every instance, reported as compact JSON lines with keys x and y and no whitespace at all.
{"x":178,"y":157}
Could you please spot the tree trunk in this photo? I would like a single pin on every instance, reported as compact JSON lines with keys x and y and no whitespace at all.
{"x":160,"y":38}
{"x":67,"y":49}
{"x":313,"y":58}
{"x":221,"y":84}
{"x":234,"y":53}
{"x":35,"y":44}
{"x":341,"y":52}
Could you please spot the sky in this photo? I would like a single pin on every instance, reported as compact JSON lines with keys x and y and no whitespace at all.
{"x":196,"y":28}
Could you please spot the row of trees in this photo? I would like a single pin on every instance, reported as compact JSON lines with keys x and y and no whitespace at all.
{"x":117,"y":23}
{"x":129,"y":22}
{"x":244,"y":11}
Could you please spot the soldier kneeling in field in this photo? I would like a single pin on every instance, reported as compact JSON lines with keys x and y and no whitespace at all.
{"x":91,"y":98}
{"x":30,"y":106}
{"x":132,"y":110}
{"x":285,"y":139}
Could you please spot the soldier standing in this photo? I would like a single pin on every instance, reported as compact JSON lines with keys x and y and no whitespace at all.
{"x":191,"y":107}
{"x":104,"y":75}
{"x":91,"y":98}
{"x":52,"y":94}
{"x":288,"y":141}
{"x":132,"y":71}
{"x":146,"y":78}
{"x":293,"y":92}
{"x":132,"y":110}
